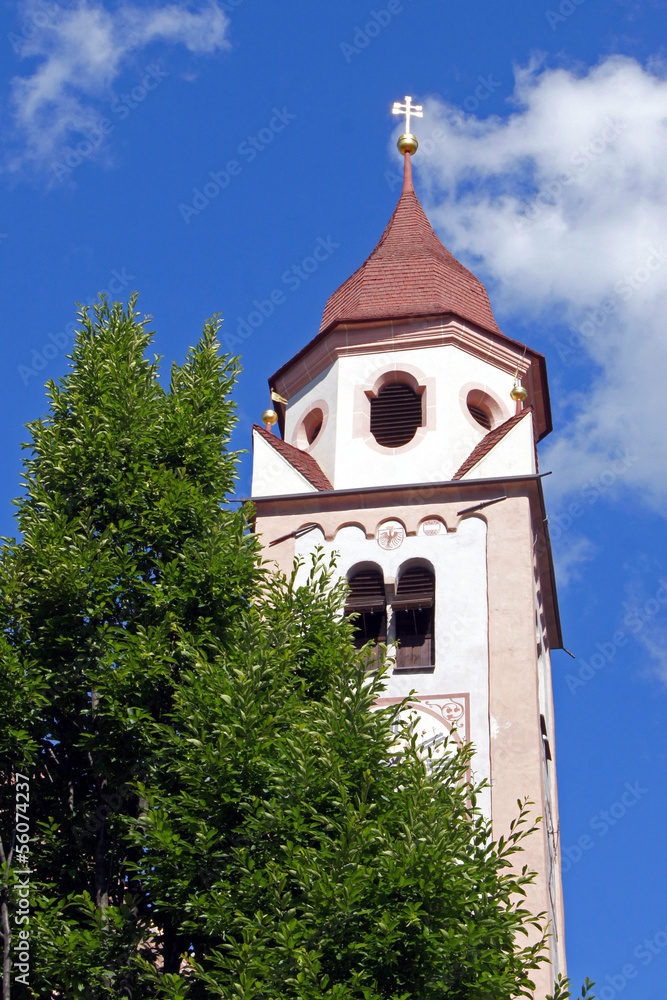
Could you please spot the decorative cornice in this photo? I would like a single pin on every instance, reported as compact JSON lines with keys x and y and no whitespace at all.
{"x":404,"y":335}
{"x":475,"y":496}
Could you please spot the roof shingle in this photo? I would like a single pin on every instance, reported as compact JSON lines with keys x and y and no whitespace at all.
{"x":489,"y":441}
{"x":304,"y":463}
{"x":408,"y":274}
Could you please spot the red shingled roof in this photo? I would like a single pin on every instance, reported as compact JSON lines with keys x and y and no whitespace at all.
{"x":300,"y":460}
{"x":489,"y":441}
{"x":410,"y":273}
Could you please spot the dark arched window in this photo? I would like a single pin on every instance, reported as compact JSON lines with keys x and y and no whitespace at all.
{"x":483,"y":408}
{"x":414,"y":617}
{"x":480,"y":414}
{"x":396,"y":413}
{"x":367,"y":600}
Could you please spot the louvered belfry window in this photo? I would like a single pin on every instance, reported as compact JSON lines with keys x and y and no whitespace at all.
{"x":366,"y":598}
{"x":480,"y":415}
{"x":396,"y":413}
{"x":414,"y":608}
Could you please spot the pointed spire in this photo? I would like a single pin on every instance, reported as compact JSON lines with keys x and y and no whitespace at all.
{"x":410,"y":273}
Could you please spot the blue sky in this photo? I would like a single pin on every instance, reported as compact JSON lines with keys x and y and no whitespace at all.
{"x":200,"y":154}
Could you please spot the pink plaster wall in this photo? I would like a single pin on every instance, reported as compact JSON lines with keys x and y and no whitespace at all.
{"x":517,"y":769}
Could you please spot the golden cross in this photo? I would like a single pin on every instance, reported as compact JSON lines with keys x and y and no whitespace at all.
{"x":409,"y":110}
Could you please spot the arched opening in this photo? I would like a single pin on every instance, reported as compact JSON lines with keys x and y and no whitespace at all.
{"x":483,"y":408}
{"x":312,"y":424}
{"x":414,"y":618}
{"x":396,"y":413}
{"x":480,"y":414}
{"x":310,"y":427}
{"x":366,"y":599}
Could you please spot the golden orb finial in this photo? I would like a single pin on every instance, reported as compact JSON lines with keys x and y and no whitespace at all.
{"x":518,"y":392}
{"x":407,"y":143}
{"x":269,"y":418}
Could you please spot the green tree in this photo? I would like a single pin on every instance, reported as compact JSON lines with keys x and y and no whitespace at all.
{"x":308,"y":848}
{"x":217,"y":808}
{"x":125,"y":546}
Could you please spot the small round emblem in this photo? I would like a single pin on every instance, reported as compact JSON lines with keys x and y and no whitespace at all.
{"x":433,"y":526}
{"x":390,"y":535}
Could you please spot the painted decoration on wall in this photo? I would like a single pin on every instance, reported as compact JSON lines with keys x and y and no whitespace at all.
{"x":434,"y":718}
{"x":391,"y":535}
{"x":452,"y":710}
{"x":432,"y":526}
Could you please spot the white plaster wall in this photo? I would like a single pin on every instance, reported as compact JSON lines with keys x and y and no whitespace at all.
{"x":514,"y":455}
{"x":350,"y":461}
{"x":324,"y":387}
{"x":272,"y":475}
{"x":437,"y":456}
{"x":461,"y":615}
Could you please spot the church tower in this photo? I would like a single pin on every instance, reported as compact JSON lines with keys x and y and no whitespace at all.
{"x":408,"y":431}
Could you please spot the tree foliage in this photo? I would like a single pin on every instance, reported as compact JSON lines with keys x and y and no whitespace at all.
{"x":217,"y":808}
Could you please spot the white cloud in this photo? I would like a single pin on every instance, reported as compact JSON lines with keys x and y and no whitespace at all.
{"x":569,"y":555}
{"x":563,"y":206}
{"x":654,"y":641}
{"x":81,"y":50}
{"x":644,"y":616}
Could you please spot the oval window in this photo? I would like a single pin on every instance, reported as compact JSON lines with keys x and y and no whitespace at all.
{"x":311,"y":425}
{"x":483,"y":409}
{"x":480,"y":414}
{"x":396,"y":413}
